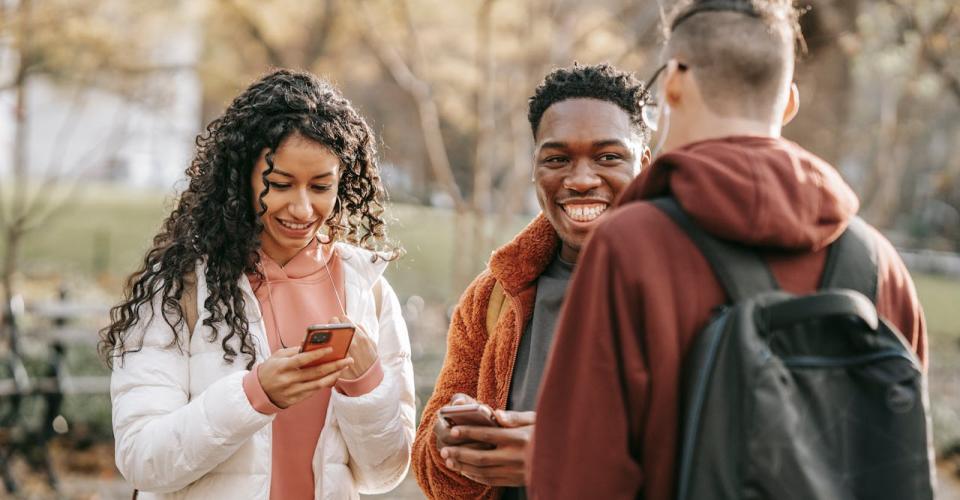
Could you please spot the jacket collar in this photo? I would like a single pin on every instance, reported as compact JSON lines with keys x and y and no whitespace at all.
{"x":518,"y":264}
{"x":360,"y":274}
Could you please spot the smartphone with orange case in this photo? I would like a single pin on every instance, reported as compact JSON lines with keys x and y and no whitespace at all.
{"x":335,"y":335}
{"x":469,"y":414}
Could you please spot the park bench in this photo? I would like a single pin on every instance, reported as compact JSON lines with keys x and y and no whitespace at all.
{"x":30,"y":403}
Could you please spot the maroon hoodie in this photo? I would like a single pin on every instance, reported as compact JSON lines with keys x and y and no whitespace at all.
{"x":608,"y":416}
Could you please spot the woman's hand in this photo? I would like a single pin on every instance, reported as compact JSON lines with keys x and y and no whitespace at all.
{"x":286,"y":383}
{"x":363,"y":351}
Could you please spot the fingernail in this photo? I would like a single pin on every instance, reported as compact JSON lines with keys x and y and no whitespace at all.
{"x":455,"y":432}
{"x":450,"y":464}
{"x":444,"y":453}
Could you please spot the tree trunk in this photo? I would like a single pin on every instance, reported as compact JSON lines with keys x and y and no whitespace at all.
{"x":485,"y":133}
{"x":824,"y":78}
{"x":13,"y":235}
{"x":13,"y":232}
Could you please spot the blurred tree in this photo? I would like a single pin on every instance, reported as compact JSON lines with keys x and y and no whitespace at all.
{"x":461,"y":71}
{"x":514,"y":45}
{"x":911,"y":60}
{"x":824,"y":77}
{"x":79,"y":44}
{"x":445,"y":84}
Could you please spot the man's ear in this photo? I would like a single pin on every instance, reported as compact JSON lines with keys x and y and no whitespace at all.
{"x":646,"y":158}
{"x":793,"y":104}
{"x":674,"y":83}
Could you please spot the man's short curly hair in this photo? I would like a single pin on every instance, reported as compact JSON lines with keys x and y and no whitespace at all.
{"x":599,"y":81}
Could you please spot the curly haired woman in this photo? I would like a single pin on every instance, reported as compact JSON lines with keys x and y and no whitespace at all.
{"x":280,"y":228}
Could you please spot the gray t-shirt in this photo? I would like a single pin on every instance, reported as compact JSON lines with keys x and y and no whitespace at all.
{"x":535,"y":344}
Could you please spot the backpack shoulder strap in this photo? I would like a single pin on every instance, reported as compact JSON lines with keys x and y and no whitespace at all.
{"x":741,"y":272}
{"x":852,"y":261}
{"x":496,"y":308}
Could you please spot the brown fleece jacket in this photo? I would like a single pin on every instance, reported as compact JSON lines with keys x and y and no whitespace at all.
{"x":479,"y":365}
{"x":608,"y":415}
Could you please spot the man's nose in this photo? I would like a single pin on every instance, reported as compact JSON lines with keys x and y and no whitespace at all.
{"x":583,"y":177}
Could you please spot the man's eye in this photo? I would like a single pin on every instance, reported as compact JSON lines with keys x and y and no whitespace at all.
{"x":555,"y":160}
{"x":609,"y":157}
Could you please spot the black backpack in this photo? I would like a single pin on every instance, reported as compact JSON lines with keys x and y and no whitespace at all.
{"x":800,"y":397}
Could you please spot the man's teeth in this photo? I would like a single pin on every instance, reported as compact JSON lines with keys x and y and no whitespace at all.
{"x":298,"y":227}
{"x":585,"y":213}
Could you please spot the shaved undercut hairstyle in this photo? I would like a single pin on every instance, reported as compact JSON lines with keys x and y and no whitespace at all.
{"x":740,"y":52}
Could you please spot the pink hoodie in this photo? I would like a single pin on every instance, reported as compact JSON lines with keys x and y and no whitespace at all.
{"x":291,"y":298}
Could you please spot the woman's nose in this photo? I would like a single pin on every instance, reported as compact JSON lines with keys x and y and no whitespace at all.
{"x":300,"y":206}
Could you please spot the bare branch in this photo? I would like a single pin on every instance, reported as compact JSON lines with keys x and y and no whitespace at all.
{"x":274,"y":56}
{"x":319,"y":32}
{"x":422,"y":95}
{"x":936,"y":59}
{"x":649,"y":23}
{"x":485,"y":111}
{"x":519,"y":177}
{"x":930,"y":55}
{"x":63,"y":136}
{"x":44,"y":207}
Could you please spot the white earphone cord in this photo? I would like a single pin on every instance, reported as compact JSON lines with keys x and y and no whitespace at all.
{"x":273,"y":310}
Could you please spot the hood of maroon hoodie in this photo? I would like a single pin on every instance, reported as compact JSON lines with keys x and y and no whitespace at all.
{"x":759,"y":191}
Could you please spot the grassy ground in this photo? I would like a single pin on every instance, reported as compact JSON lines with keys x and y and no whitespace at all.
{"x":103,"y":234}
{"x":106,"y":230}
{"x":940,"y":298}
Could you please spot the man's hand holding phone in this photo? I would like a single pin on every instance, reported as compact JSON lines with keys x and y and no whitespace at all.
{"x":286,"y":380}
{"x":489,"y":454}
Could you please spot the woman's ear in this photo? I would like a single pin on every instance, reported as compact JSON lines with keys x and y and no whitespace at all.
{"x":793,"y":104}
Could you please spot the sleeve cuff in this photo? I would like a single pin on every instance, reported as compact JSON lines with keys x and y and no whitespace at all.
{"x":255,"y":394}
{"x":364,"y":383}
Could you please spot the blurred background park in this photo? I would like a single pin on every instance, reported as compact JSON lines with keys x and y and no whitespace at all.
{"x":100,"y":102}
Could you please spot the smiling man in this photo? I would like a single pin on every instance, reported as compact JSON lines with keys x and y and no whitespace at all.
{"x":589,"y":145}
{"x":609,"y":420}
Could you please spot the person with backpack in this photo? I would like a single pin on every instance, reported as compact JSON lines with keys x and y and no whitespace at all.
{"x":589,"y":144}
{"x":277,"y":242}
{"x":733,"y":330}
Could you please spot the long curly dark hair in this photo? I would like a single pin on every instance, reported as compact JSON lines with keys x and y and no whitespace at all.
{"x":214,"y":220}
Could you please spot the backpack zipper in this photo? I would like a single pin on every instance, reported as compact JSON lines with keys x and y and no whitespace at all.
{"x":839,"y":362}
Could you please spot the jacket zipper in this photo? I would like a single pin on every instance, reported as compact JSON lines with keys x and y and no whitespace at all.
{"x":518,"y":322}
{"x":497,"y":492}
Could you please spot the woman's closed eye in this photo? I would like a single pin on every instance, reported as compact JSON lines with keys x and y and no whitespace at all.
{"x":321,"y":188}
{"x":278,"y":185}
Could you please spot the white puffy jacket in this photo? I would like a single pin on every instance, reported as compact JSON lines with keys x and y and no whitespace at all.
{"x":185,"y":429}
